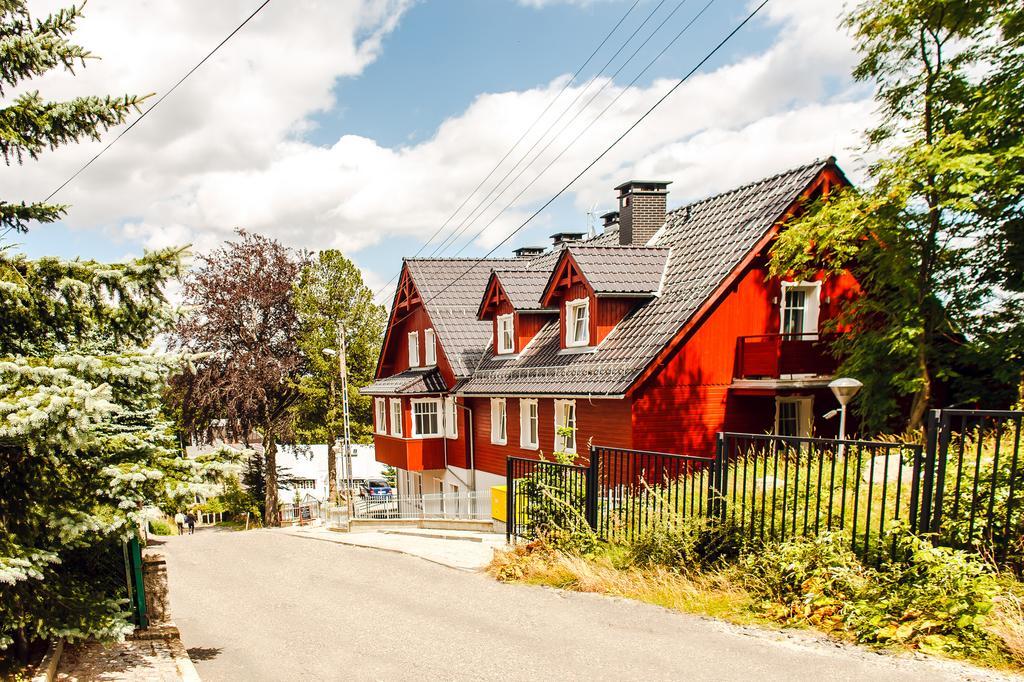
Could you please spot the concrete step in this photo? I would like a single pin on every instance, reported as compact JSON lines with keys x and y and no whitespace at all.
{"x":436,"y":534}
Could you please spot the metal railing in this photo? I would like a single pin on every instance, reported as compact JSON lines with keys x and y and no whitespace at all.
{"x":778,"y":487}
{"x":474,"y":506}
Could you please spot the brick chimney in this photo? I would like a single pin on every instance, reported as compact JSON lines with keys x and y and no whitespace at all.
{"x":610,"y":219}
{"x":641,"y":210}
{"x":560,"y":238}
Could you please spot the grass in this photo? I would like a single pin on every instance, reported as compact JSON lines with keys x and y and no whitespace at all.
{"x":719,"y":593}
{"x":711,"y":594}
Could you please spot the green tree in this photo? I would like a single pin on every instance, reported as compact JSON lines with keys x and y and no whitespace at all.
{"x":332,"y":300}
{"x":30,"y":125}
{"x":83,"y":445}
{"x":914,"y":236}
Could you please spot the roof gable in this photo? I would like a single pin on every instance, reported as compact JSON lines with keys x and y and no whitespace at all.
{"x":564,"y":275}
{"x":622,"y":269}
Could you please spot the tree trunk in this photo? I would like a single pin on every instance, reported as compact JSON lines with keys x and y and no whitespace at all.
{"x":923,"y":398}
{"x":271,"y":514}
{"x":332,"y":470}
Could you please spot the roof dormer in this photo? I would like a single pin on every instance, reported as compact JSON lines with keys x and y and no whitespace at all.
{"x":510,"y":303}
{"x":595,"y":287}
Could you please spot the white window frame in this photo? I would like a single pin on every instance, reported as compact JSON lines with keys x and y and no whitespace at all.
{"x":804,"y":414}
{"x":529,"y":424}
{"x":499,"y":422}
{"x":414,"y":349}
{"x":380,"y":407}
{"x":451,"y":418}
{"x":561,"y":407}
{"x":396,"y":419}
{"x":429,"y":348}
{"x":812,"y":308}
{"x":438,"y":414}
{"x":570,"y":323}
{"x":509,"y":347}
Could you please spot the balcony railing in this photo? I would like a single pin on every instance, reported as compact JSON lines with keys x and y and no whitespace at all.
{"x":775,"y":356}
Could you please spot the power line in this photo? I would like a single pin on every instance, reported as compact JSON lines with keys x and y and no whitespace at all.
{"x":473,"y":215}
{"x":521,"y":138}
{"x":157,"y":103}
{"x":600,"y":114}
{"x":604,"y":153}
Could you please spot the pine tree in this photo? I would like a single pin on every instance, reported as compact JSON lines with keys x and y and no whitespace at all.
{"x":84,"y":444}
{"x":30,"y":125}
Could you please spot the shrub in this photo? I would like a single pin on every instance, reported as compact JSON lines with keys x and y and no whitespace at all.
{"x":160,"y":527}
{"x":805,"y":579}
{"x":685,"y":544}
{"x":934,"y":598}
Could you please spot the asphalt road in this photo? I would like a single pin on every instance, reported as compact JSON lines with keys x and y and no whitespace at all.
{"x":262,"y":605}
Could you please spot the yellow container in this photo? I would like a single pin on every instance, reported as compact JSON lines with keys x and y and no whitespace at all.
{"x":499,"y":503}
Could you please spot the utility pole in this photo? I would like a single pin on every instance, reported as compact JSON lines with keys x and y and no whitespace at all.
{"x":347,"y":433}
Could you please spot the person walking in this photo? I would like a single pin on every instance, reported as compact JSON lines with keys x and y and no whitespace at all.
{"x":191,"y":521}
{"x":179,"y":519}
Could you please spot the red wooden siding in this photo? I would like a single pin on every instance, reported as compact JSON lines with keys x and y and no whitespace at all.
{"x":608,"y":312}
{"x":527,"y":326}
{"x":602,"y":422}
{"x":687,"y":399}
{"x":410,"y":454}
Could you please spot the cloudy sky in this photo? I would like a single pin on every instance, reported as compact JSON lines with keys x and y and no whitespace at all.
{"x":365,"y":124}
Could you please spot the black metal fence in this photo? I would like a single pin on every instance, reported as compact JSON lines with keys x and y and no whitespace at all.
{"x":635,"y":489}
{"x":964,"y":487}
{"x":776,"y":487}
{"x":544,"y":495}
{"x":973,"y":482}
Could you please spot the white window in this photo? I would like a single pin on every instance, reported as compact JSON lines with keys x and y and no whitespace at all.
{"x":798,"y":314}
{"x":565,"y":418}
{"x":577,"y":323}
{"x":499,"y":429}
{"x":794,"y":416}
{"x":304,"y":484}
{"x":451,"y":423}
{"x":396,"y":416}
{"x":529,"y":424}
{"x":506,"y":335}
{"x":380,"y":407}
{"x":426,"y":418}
{"x":429,"y":348}
{"x":414,"y":349}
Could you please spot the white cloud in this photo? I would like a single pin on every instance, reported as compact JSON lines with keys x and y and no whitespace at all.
{"x":222,"y":152}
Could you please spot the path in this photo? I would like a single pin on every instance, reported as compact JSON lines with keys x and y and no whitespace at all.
{"x":265,"y":605}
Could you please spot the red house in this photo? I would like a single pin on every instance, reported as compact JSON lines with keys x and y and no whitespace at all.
{"x":654,"y":335}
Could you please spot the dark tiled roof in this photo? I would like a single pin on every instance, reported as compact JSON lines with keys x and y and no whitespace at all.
{"x":708,"y":239}
{"x":621,"y":269}
{"x":523,"y":287}
{"x":411,"y":382}
{"x":451,"y":290}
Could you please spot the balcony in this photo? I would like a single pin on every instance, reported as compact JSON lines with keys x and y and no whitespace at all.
{"x":784,"y":357}
{"x":413,"y":454}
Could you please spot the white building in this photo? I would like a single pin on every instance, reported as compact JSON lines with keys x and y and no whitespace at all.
{"x":307,"y":467}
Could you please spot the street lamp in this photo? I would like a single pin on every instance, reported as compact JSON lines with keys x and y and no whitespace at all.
{"x":844,"y":389}
{"x":346,"y":431}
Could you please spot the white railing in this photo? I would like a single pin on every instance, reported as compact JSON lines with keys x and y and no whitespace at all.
{"x":471,"y":506}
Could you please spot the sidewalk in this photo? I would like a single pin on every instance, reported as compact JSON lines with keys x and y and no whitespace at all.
{"x":464,"y":550}
{"x":133,"y":659}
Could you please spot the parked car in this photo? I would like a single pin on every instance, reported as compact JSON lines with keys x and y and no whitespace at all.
{"x":376,"y":490}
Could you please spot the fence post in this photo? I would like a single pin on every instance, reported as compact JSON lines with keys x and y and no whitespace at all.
{"x":718,"y":479}
{"x":510,"y":485}
{"x":942,"y":438}
{"x":591,"y":488}
{"x":927,"y":486}
{"x":138,"y":594}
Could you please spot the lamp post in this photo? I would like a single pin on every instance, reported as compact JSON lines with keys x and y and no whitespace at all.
{"x":844,"y":389}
